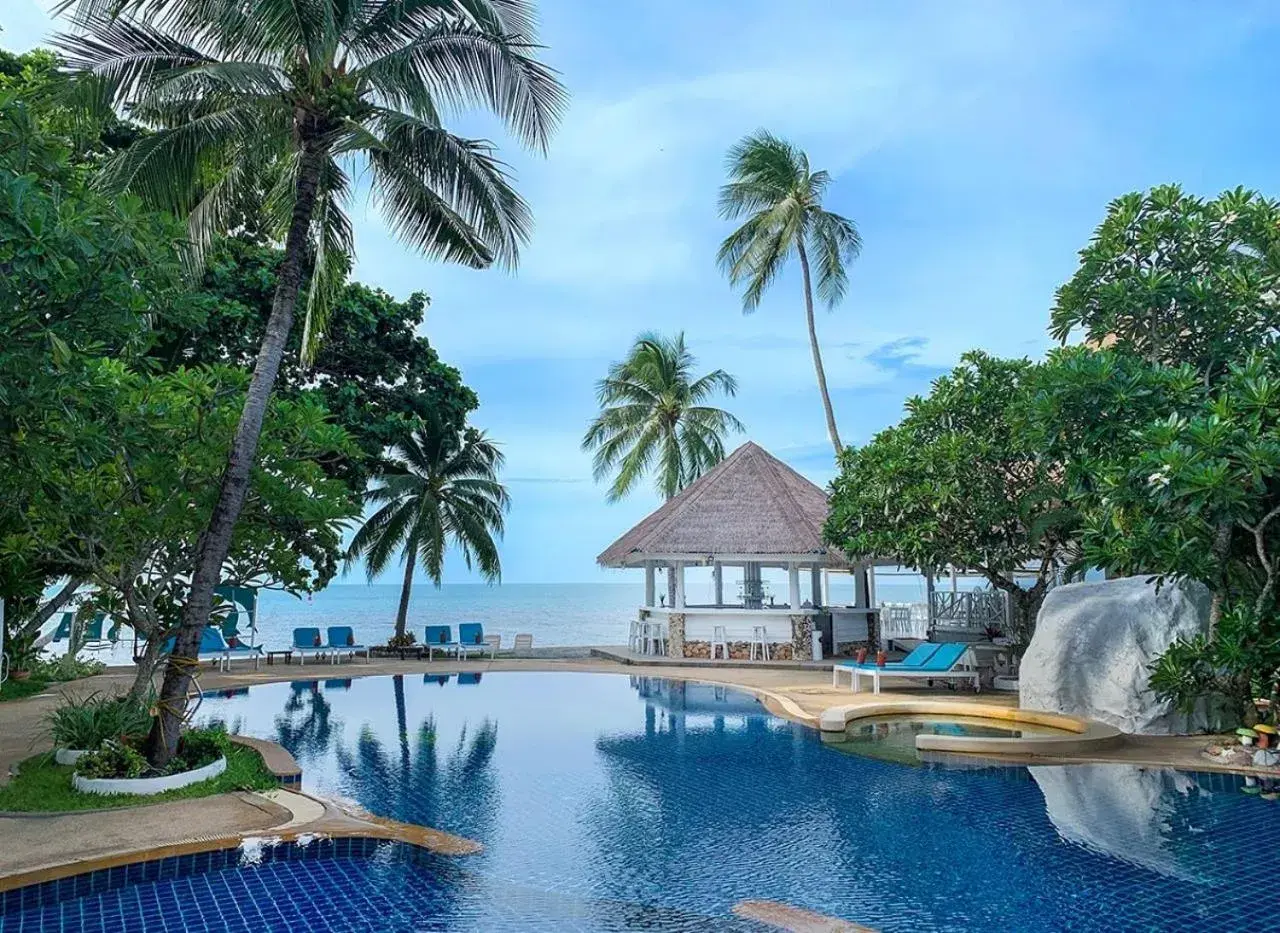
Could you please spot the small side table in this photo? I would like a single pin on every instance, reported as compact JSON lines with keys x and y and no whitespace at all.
{"x":287,"y":654}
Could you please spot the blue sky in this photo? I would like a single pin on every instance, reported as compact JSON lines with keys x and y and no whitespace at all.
{"x":975,"y":144}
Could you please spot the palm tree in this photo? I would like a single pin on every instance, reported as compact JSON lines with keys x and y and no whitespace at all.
{"x":772,"y":185}
{"x":280,"y":102}
{"x":654,"y":419}
{"x":439,"y":489}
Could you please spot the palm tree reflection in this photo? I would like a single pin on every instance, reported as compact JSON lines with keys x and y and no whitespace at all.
{"x":304,"y":726}
{"x":457,"y":792}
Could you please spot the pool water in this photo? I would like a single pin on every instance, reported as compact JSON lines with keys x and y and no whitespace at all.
{"x":893,"y":738}
{"x":607,"y":802}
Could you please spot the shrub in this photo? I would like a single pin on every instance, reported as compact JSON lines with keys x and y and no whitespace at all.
{"x":198,"y":748}
{"x":65,"y":668}
{"x":401,"y":641}
{"x":88,"y":722}
{"x":113,"y":759}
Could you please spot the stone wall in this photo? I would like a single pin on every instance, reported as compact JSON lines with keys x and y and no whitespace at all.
{"x":738,"y":650}
{"x":675,"y":635}
{"x":802,"y":637}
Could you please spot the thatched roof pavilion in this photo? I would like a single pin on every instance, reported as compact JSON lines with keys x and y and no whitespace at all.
{"x":751,"y":504}
{"x":751,"y":511}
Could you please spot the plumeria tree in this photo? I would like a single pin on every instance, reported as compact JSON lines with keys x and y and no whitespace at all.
{"x":277,"y":104}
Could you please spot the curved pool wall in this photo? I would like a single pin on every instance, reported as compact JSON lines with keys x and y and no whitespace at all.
{"x":610,"y":802}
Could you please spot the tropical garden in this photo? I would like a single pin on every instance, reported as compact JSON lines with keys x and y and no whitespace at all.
{"x":196,"y":392}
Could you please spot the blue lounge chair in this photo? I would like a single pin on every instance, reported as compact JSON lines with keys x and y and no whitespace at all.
{"x":919,"y":655}
{"x":438,"y":679}
{"x":308,"y":639}
{"x":438,"y":638}
{"x":338,"y":684}
{"x":469,"y":679}
{"x":471,"y":638}
{"x":342,"y":640}
{"x":214,"y":647}
{"x":951,"y":661}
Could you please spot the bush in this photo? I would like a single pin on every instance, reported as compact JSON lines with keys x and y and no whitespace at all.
{"x":65,"y":668}
{"x":88,"y":722}
{"x":198,"y":748}
{"x":113,"y":759}
{"x":401,"y":641}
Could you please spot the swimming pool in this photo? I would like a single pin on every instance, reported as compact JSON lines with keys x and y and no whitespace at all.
{"x":893,"y":738}
{"x":606,"y":802}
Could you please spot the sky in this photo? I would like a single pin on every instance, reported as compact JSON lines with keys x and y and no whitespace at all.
{"x":975,"y":144}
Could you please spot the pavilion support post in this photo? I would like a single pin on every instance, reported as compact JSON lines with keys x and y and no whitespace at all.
{"x":929,"y":589}
{"x":815,"y":586}
{"x":717,"y":575}
{"x":793,"y":584}
{"x":678,"y":570}
{"x":650,"y":594}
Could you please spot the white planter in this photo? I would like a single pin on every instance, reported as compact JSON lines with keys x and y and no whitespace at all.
{"x":1005,"y":683}
{"x":69,"y":756}
{"x":151,"y":785}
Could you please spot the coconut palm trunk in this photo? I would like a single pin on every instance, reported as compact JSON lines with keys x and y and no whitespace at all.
{"x":402,"y":614}
{"x":817,"y":353}
{"x":162,"y":743}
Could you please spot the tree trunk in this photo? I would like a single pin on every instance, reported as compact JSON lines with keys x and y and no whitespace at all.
{"x":45,"y":612}
{"x":215,"y":542}
{"x":142,"y":681}
{"x":1221,"y":550}
{"x":402,"y":614}
{"x":817,"y":354}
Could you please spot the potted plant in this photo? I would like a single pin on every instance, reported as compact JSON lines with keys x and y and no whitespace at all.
{"x":1266,"y":735}
{"x":117,"y":767}
{"x":23,"y":655}
{"x":992,"y":632}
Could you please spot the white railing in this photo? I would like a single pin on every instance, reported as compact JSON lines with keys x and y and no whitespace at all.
{"x":969,"y":612}
{"x":903,"y":620}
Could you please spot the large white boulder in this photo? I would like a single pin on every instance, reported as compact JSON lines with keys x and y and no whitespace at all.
{"x":1093,"y":647}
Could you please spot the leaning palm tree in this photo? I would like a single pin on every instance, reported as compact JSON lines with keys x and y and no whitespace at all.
{"x":281,"y":103}
{"x":772,"y":185}
{"x":654,"y":419}
{"x":440,"y":489}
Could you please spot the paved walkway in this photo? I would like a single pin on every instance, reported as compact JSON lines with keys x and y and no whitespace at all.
{"x":32,"y":842}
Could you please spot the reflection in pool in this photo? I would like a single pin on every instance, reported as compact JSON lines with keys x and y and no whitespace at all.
{"x":606,"y":803}
{"x":893,"y":738}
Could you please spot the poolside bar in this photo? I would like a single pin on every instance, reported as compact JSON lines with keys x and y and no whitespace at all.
{"x":750,"y":513}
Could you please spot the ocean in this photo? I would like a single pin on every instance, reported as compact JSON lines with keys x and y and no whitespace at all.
{"x":555,"y":614}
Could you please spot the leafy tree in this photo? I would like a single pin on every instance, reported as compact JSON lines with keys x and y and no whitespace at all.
{"x":130,"y":524}
{"x":439,"y":490}
{"x":1178,"y":279}
{"x":654,"y":418}
{"x":374,"y":373}
{"x":958,"y":481}
{"x":772,"y":185}
{"x":83,"y":275}
{"x":285,"y":97}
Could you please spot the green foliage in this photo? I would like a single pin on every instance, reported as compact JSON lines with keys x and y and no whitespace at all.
{"x":87,"y":722}
{"x":114,"y":758}
{"x":66,"y":667}
{"x":199,"y":747}
{"x":654,"y":418}
{"x":960,"y":482}
{"x":1177,"y":279}
{"x":244,"y":105}
{"x":44,"y":786}
{"x":375,"y":374}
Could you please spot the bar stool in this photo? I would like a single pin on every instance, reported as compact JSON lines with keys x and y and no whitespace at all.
{"x":635,"y":642}
{"x":655,"y":638}
{"x":719,"y":639}
{"x":759,"y":642}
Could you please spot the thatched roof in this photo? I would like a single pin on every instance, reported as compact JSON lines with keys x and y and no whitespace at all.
{"x":751,"y":503}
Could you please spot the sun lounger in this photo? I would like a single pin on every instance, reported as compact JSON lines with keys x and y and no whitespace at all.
{"x":438,"y":638}
{"x":951,"y":661}
{"x":524,"y":642}
{"x":214,"y":647}
{"x":471,"y":638}
{"x":342,"y":640}
{"x":308,"y":639}
{"x":919,"y":655}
